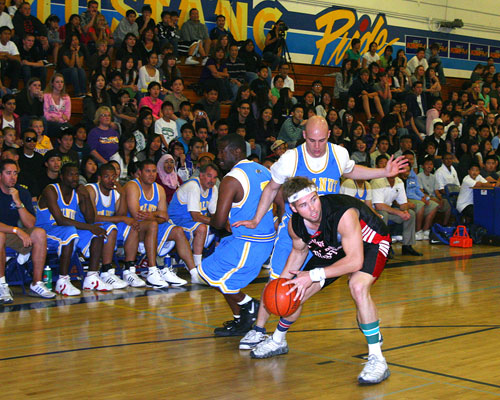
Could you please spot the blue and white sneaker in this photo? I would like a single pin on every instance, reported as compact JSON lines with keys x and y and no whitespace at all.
{"x":40,"y":290}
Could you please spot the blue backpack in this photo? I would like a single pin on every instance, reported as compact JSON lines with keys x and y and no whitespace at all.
{"x":440,"y":234}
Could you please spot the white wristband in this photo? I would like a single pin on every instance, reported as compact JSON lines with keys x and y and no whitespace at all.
{"x":317,"y":274}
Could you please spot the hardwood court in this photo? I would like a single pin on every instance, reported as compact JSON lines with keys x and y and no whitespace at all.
{"x":439,"y":318}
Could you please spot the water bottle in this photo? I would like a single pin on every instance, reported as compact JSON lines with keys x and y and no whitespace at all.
{"x":168,"y":261}
{"x":47,"y":277}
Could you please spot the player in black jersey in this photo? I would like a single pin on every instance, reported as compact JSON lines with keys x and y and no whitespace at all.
{"x":345,"y":237}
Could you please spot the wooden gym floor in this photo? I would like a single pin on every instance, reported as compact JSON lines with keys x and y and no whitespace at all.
{"x":439,"y":318}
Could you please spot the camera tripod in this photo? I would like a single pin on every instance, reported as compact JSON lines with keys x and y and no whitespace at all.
{"x":285,"y":53}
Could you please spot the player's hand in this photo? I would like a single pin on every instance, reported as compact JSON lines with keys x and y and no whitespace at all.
{"x":133,"y":223}
{"x":24,"y":237}
{"x":15,"y":195}
{"x":97,"y":230}
{"x":395,"y":166}
{"x":300,"y":284}
{"x":405,"y":215}
{"x":251,"y":224}
{"x":143,"y":215}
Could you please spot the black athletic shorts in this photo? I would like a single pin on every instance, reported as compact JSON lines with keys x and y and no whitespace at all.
{"x":373,"y":264}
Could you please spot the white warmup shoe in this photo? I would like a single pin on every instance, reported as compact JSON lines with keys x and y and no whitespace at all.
{"x":426,"y":234}
{"x":252,"y":339}
{"x":111,"y":279}
{"x":419,"y":235}
{"x":269,"y":348}
{"x":65,"y":287}
{"x":94,"y":282}
{"x":397,"y":238}
{"x":171,"y":277}
{"x":40,"y":290}
{"x":5,"y":294}
{"x":204,"y":61}
{"x":196,"y":278}
{"x":375,"y":371}
{"x":132,"y":279}
{"x":191,"y":61}
{"x":155,"y":279}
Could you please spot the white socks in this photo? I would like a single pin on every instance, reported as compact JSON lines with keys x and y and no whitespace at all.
{"x":245,"y":300}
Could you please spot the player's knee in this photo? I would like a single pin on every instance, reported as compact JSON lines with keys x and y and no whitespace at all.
{"x":359,"y":289}
{"x":177,"y":232}
{"x":38,"y":235}
{"x":201,"y":230}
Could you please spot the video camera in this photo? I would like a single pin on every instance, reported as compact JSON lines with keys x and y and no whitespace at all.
{"x":282,"y":28}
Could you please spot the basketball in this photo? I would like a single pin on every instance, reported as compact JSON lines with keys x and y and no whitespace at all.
{"x":276,"y":300}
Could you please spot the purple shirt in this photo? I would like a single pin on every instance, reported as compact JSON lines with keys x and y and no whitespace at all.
{"x":105,"y":142}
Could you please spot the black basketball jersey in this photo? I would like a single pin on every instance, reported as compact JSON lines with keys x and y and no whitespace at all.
{"x":326,"y":243}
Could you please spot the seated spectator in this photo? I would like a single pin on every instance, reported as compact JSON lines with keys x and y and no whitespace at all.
{"x":194,"y":31}
{"x":170,"y":72}
{"x":365,"y":94}
{"x":360,"y":189}
{"x":9,"y":139}
{"x":371,"y":56}
{"x":266,"y":132}
{"x":65,"y":145}
{"x":165,"y":126}
{"x":433,"y":58}
{"x":29,"y":102}
{"x":472,"y":156}
{"x":30,"y":163}
{"x":80,"y":145}
{"x":221,"y":129}
{"x":103,"y":139}
{"x":184,"y":115}
{"x":125,"y":155}
{"x":50,"y":174}
{"x":489,"y":172}
{"x":9,"y":57}
{"x":191,"y":206}
{"x":417,"y":106}
{"x":261,"y":81}
{"x":251,"y":59}
{"x":418,"y":59}
{"x":325,"y":104}
{"x":201,"y":132}
{"x":24,"y":23}
{"x":343,"y":80}
{"x":223,"y":43}
{"x":43,"y":143}
{"x":477,"y":73}
{"x":88,"y":18}
{"x":210,"y":104}
{"x":129,"y":49}
{"x":432,"y":85}
{"x":148,"y":44}
{"x":97,"y":97}
{"x":425,"y":207}
{"x":148,"y":73}
{"x":164,"y":29}
{"x":176,"y":97}
{"x":144,"y":129}
{"x":383,"y":89}
{"x":88,"y":170}
{"x":405,"y":144}
{"x":103,"y":66}
{"x":317,"y":91}
{"x":438,"y":137}
{"x":385,"y":192}
{"x":419,"y":76}
{"x":360,"y":155}
{"x":70,"y":65}
{"x":167,"y":176}
{"x":17,"y":209}
{"x":152,"y":100}
{"x":31,"y":60}
{"x":353,"y":53}
{"x":130,"y":76}
{"x":292,"y":129}
{"x":429,"y":186}
{"x":236,"y":69}
{"x":99,"y":31}
{"x":126,"y":25}
{"x":244,"y":118}
{"x":195,"y":148}
{"x":125,"y":112}
{"x":386,"y":58}
{"x":446,"y":174}
{"x":176,"y":149}
{"x":8,"y":116}
{"x":283,"y":107}
{"x":115,"y":86}
{"x":5,"y":17}
{"x":452,"y":140}
{"x":283,"y":71}
{"x":432,"y":114}
{"x":382,"y":149}
{"x":215,"y":73}
{"x":219,"y":29}
{"x":153,"y":150}
{"x":465,"y":201}
{"x":73,"y":26}
{"x":96,"y":60}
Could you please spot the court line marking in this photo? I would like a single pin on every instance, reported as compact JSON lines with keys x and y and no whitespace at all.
{"x":129,"y":294}
{"x":381,"y":396}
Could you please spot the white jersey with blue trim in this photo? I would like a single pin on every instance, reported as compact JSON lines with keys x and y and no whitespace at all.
{"x":190,"y":197}
{"x":69,"y":210}
{"x":324,"y":171}
{"x":253,"y":177}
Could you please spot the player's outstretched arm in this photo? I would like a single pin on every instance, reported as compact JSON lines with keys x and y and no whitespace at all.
{"x":266,"y":199}
{"x":297,"y":256}
{"x":393,"y":168}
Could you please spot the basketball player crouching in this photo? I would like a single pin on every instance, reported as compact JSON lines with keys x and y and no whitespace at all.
{"x":345,"y":237}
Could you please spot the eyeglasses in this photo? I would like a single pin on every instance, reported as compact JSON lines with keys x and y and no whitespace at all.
{"x":30,"y":139}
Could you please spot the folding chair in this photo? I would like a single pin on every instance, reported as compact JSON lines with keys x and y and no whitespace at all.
{"x":451,"y":192}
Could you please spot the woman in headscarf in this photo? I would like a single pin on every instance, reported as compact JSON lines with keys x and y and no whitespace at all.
{"x":167,"y":176}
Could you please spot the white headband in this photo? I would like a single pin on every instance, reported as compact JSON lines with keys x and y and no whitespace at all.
{"x":304,"y":192}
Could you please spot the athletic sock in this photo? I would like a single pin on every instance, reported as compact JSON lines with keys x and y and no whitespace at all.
{"x":372,"y":334}
{"x":152,"y":269}
{"x":128,"y":264}
{"x":106,"y":267}
{"x":193,"y":271}
{"x":245,"y":300}
{"x":281,"y":330}
{"x":259,"y":329}
{"x":2,"y":279}
{"x":197,"y":259}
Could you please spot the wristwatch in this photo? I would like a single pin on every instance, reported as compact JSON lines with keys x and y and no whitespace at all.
{"x":19,"y":207}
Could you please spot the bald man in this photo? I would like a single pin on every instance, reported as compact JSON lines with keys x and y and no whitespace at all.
{"x":322,"y":162}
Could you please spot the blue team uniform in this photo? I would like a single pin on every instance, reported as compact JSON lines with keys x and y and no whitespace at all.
{"x":164,"y":229}
{"x":59,"y":236}
{"x":364,"y":195}
{"x":179,"y":214}
{"x":238,"y":259}
{"x":108,"y":211}
{"x":328,"y":182}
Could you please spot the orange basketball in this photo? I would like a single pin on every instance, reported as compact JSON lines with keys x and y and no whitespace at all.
{"x":276,"y":300}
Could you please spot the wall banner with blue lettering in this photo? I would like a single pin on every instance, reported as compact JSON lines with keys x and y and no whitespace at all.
{"x":414,"y":42}
{"x":459,"y":50}
{"x":479,"y":52}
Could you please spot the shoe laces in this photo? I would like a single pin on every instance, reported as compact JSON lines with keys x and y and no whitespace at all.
{"x":374,"y":364}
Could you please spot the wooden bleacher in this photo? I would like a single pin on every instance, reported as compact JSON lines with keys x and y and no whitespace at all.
{"x":305,"y":74}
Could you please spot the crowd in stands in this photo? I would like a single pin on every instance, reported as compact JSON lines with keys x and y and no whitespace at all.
{"x":135,"y":110}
